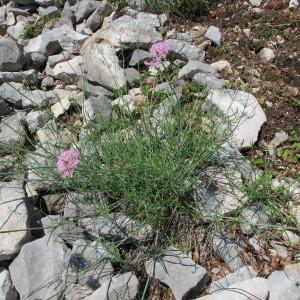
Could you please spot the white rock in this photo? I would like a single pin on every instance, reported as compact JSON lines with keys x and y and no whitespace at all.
{"x":36,"y":120}
{"x":179,"y":272}
{"x":222,"y":66}
{"x":293,"y":269}
{"x":123,"y":286}
{"x":104,"y":68}
{"x":266,"y":55}
{"x":255,"y":2}
{"x":244,"y":112}
{"x":283,"y":285}
{"x":127,"y":32}
{"x":244,"y":273}
{"x":251,"y":289}
{"x":213,"y":33}
{"x":294,"y":4}
{"x":291,"y":237}
{"x":279,"y":138}
{"x":13,"y":216}
{"x":7,"y":290}
{"x":70,"y":70}
{"x":37,"y":270}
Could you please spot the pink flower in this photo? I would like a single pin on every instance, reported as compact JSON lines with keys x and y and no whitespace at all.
{"x":158,"y":52}
{"x":67,"y":161}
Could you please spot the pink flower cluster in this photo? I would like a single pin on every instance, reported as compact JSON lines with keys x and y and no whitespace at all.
{"x":67,"y":162}
{"x":158,"y":52}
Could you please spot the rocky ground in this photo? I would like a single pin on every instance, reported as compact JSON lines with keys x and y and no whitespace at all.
{"x":62,"y":65}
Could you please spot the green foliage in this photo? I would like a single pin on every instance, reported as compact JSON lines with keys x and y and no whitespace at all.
{"x":176,"y":7}
{"x":33,"y":30}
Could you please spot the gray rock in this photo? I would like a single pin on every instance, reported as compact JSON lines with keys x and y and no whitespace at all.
{"x":36,"y":120}
{"x":77,"y":292}
{"x":7,"y":290}
{"x":104,"y":69}
{"x":213,"y":33}
{"x":55,"y":203}
{"x":45,"y":3}
{"x":283,"y":285}
{"x":293,"y":269}
{"x":228,"y":250}
{"x":16,"y":93}
{"x":96,"y":107}
{"x":251,"y":289}
{"x":123,"y":286}
{"x":241,"y":274}
{"x":11,"y":131}
{"x":218,"y":191}
{"x":4,"y":108}
{"x":84,"y":9}
{"x":70,"y":70}
{"x":92,"y":89}
{"x":20,"y":11}
{"x":127,"y":32}
{"x":175,"y":269}
{"x":60,"y":229}
{"x":6,"y":166}
{"x":20,"y":77}
{"x":152,"y":19}
{"x":244,"y":112}
{"x":281,"y":251}
{"x":255,"y":2}
{"x":132,"y":75}
{"x":43,"y":278}
{"x":2,"y":14}
{"x":13,"y":216}
{"x":209,"y":80}
{"x":138,"y":57}
{"x":11,"y":55}
{"x":52,"y":41}
{"x":50,"y":11}
{"x":95,"y":21}
{"x":38,"y":59}
{"x":173,"y":88}
{"x":17,"y":30}
{"x":116,"y":227}
{"x":253,"y":216}
{"x":266,"y":55}
{"x":89,"y":265}
{"x":66,"y":17}
{"x":47,"y":83}
{"x":58,"y":58}
{"x":185,"y":51}
{"x":193,"y":67}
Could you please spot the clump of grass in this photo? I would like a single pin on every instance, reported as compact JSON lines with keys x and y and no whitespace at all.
{"x":33,"y":30}
{"x":179,"y":8}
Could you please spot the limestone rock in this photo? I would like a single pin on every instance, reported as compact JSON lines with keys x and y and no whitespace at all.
{"x":127,"y":32}
{"x":267,"y":55}
{"x":36,"y":120}
{"x":11,"y":55}
{"x":27,"y":76}
{"x":104,"y":68}
{"x":185,"y":51}
{"x":213,"y":33}
{"x":244,"y":273}
{"x":193,"y":67}
{"x":7,"y":290}
{"x":95,"y":107}
{"x":13,"y":216}
{"x":209,"y":80}
{"x":95,"y":21}
{"x":175,"y":269}
{"x":84,"y":9}
{"x":123,"y":286}
{"x":43,"y":278}
{"x":244,"y":112}
{"x":12,"y":130}
{"x":89,"y":265}
{"x":283,"y":285}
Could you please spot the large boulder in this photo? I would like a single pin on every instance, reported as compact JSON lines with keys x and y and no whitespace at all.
{"x":37,"y":271}
{"x":127,"y":32}
{"x":11,"y":55}
{"x":175,"y":269}
{"x":104,"y":67}
{"x":13,"y":219}
{"x":244,"y":115}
